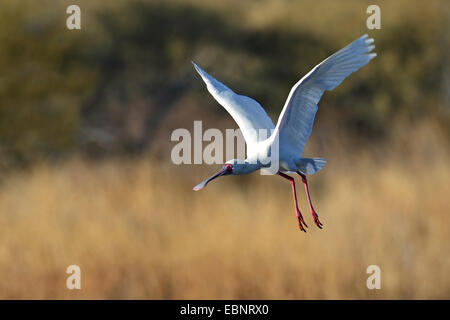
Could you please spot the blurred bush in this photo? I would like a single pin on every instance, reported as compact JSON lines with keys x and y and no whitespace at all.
{"x":109,"y":87}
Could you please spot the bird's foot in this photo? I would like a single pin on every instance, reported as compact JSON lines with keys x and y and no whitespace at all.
{"x":301,"y":227}
{"x":316,"y":219}
{"x":301,"y":222}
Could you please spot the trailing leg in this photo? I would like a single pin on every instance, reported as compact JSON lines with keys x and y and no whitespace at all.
{"x":311,"y":208}
{"x":300,"y":220}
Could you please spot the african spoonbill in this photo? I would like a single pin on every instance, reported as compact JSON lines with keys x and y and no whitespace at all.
{"x":294,"y":123}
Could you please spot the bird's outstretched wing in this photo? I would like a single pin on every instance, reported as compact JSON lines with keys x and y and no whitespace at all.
{"x":248,"y":113}
{"x":297,"y":117}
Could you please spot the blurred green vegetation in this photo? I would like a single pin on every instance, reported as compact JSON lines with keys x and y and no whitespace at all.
{"x":109,"y":87}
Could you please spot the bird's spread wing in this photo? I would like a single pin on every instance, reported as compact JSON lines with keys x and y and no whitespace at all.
{"x":297,"y":117}
{"x":248,"y":114}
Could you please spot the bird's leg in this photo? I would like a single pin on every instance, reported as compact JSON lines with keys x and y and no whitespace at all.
{"x":300,"y":220}
{"x":311,"y":208}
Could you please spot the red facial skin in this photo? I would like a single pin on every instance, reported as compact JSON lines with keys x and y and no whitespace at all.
{"x":229,"y":167}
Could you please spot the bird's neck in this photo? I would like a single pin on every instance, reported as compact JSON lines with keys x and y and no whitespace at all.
{"x":249,"y":167}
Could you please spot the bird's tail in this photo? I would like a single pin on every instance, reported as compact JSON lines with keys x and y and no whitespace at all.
{"x":310,"y":165}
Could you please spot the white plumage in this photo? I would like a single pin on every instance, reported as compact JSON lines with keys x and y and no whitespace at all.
{"x":247,"y":112}
{"x":297,"y":117}
{"x":295,"y":121}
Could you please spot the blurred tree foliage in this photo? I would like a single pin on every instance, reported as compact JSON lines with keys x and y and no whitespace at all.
{"x":109,"y":86}
{"x":42,"y":84}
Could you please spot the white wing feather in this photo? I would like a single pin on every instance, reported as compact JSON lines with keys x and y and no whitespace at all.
{"x":248,"y":113}
{"x":297,"y":117}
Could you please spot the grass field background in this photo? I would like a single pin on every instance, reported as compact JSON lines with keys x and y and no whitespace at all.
{"x":137,"y":230}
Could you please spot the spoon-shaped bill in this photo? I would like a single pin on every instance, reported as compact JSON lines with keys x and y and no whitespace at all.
{"x":204,"y":183}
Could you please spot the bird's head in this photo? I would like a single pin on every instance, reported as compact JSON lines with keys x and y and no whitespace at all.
{"x":235,"y":167}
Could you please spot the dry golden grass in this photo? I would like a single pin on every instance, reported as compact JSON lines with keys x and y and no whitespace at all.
{"x":137,"y":230}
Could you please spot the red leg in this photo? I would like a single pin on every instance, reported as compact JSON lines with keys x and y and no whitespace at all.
{"x":311,"y":208}
{"x":300,"y":220}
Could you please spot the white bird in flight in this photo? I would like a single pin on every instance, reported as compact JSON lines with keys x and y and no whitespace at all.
{"x":294,"y":124}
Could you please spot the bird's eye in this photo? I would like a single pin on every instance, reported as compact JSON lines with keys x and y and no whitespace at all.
{"x":230,"y":167}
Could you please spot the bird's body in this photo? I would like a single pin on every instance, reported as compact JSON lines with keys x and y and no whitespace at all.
{"x":283,"y":144}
